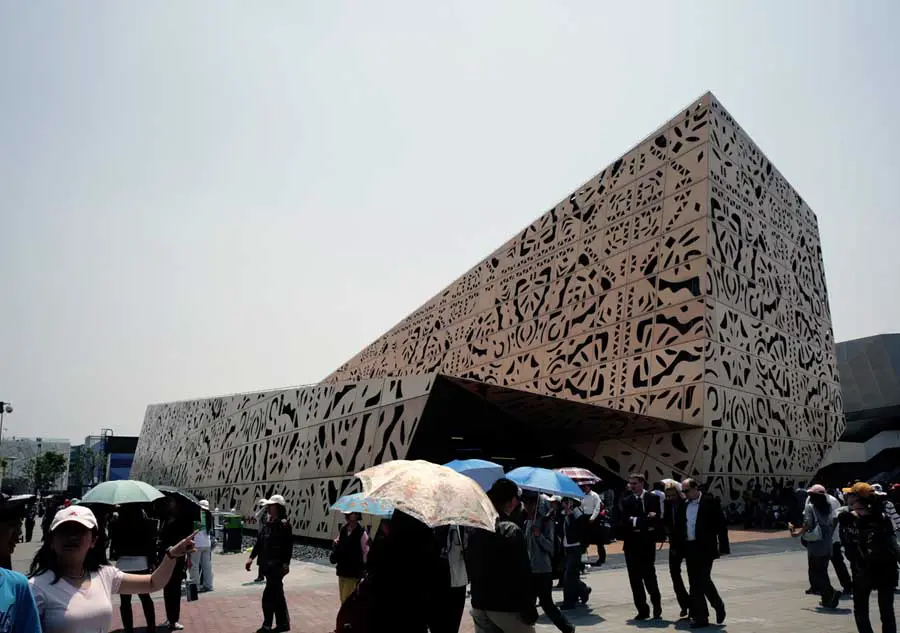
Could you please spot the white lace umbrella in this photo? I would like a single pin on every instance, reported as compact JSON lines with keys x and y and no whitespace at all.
{"x":433,"y":494}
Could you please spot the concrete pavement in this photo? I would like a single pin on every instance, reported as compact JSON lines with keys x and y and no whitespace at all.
{"x":762,"y":584}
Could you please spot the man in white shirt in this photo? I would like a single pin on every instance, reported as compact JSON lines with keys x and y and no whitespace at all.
{"x":701,"y":532}
{"x":592,"y":505}
{"x":641,"y":526}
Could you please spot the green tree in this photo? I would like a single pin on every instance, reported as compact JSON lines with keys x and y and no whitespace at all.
{"x":43,"y":471}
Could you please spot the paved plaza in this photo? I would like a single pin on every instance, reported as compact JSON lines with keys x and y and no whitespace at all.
{"x":762,"y":584}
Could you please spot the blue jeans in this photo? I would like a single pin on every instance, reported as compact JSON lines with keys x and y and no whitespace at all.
{"x":573,"y":588}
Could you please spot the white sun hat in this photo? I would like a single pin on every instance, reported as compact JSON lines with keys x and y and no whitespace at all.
{"x":75,"y":514}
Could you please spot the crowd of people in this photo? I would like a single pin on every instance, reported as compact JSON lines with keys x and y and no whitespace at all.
{"x":411,"y":578}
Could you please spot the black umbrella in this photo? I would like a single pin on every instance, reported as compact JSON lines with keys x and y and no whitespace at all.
{"x":172,"y":491}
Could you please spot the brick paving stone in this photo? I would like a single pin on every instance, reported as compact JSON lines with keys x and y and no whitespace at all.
{"x":762,"y":585}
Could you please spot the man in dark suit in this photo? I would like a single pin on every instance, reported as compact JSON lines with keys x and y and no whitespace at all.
{"x":641,"y":528}
{"x":702,"y":534}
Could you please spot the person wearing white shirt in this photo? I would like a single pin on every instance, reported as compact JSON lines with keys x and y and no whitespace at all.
{"x":701,"y":532}
{"x":201,"y":558}
{"x":592,"y":506}
{"x":641,"y":526}
{"x":837,"y":554}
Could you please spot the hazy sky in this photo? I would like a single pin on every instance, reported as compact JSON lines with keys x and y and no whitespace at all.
{"x":200,"y":198}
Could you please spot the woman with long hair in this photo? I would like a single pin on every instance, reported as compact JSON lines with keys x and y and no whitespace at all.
{"x":72,"y":581}
{"x":276,"y":544}
{"x":133,"y":546}
{"x":817,"y":533}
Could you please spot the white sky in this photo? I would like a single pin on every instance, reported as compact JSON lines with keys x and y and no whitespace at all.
{"x":200,"y":198}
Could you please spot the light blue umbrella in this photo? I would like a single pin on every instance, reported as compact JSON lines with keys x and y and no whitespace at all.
{"x":364,"y":505}
{"x":481,"y":470}
{"x":545,"y":480}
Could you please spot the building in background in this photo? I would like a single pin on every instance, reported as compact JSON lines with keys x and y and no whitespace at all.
{"x":870,"y":445}
{"x":18,"y":452}
{"x":119,"y":456}
{"x":89,"y":463}
{"x":668,"y":317}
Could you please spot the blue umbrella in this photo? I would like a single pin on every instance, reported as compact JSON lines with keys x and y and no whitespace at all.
{"x":485,"y":473}
{"x":364,"y":505}
{"x":545,"y":480}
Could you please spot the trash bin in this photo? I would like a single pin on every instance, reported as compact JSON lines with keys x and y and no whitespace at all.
{"x":234,"y":533}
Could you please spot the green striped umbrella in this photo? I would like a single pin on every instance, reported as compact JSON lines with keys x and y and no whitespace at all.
{"x":114,"y":493}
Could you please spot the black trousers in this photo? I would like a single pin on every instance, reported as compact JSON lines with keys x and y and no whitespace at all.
{"x":543,"y":587}
{"x":146,"y":603}
{"x":818,"y":577}
{"x":861,"y":592}
{"x":447,"y":610}
{"x":676,"y":557}
{"x":29,"y":530}
{"x":274,"y":604}
{"x":840,"y":567}
{"x":574,"y":588}
{"x":699,"y":568}
{"x":172,"y":593}
{"x":640,"y":558}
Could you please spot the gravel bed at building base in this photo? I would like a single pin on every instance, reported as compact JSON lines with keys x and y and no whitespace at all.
{"x":306,"y":553}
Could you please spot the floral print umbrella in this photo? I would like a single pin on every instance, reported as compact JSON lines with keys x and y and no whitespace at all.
{"x":433,"y":494}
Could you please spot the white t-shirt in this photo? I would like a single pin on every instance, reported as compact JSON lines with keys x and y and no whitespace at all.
{"x":133,"y":563}
{"x":65,"y":609}
{"x":590,"y":504}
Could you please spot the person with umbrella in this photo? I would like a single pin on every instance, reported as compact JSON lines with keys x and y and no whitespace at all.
{"x":277,"y":545}
{"x":539,"y":537}
{"x":500,"y":570}
{"x":176,"y":525}
{"x":133,"y":546}
{"x":72,"y":581}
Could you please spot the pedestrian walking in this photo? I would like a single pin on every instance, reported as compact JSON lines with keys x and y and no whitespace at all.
{"x":700,"y":531}
{"x":574,"y":533}
{"x":868,"y":536}
{"x":30,"y":519}
{"x":261,"y":515}
{"x":201,"y":558}
{"x":817,"y":534}
{"x":132,"y":539}
{"x":176,"y":526}
{"x":539,"y":537}
{"x":592,"y":506}
{"x":672,"y":507}
{"x":73,"y":583}
{"x":450,"y":584}
{"x":277,"y":546}
{"x":500,"y":571}
{"x":348,"y":554}
{"x":837,"y":553}
{"x":641,"y":526}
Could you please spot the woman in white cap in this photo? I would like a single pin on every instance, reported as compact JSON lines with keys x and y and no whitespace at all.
{"x":201,"y":558}
{"x":72,"y":581}
{"x":276,"y":545}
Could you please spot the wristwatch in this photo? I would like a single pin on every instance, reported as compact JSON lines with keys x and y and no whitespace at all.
{"x":169,"y":553}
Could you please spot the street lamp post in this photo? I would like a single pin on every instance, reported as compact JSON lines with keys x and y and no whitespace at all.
{"x":5,"y":407}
